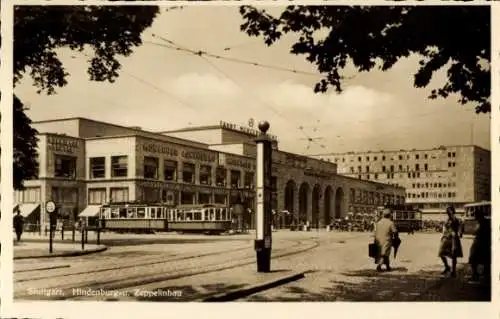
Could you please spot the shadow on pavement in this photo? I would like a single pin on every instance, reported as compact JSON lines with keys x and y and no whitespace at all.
{"x":396,"y":285}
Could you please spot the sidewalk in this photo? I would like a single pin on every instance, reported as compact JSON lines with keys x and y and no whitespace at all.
{"x":24,"y":250}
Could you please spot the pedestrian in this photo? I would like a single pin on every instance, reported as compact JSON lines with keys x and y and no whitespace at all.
{"x":18,"y":224}
{"x":480,"y":251}
{"x":450,"y":246}
{"x":385,"y":232}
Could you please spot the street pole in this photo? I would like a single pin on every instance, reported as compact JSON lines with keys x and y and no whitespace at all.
{"x":263,"y":240}
{"x":51,"y":225}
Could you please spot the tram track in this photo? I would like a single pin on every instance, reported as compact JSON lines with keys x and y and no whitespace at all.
{"x":212,"y":268}
{"x":180,"y":271}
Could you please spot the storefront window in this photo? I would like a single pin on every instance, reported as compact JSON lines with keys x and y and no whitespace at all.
{"x":119,"y":166}
{"x":28,"y":195}
{"x":249,"y":180}
{"x":205,"y":175}
{"x":65,"y":166}
{"x":97,"y":196}
{"x":119,"y":195}
{"x":151,"y":167}
{"x":187,"y":198}
{"x":188,"y":173}
{"x":97,"y":167}
{"x":220,"y":199}
{"x":235,"y":179}
{"x":220,"y":176}
{"x":203,"y":198}
{"x":169,"y":170}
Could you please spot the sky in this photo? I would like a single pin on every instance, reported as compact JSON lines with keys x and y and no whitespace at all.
{"x":161,"y":89}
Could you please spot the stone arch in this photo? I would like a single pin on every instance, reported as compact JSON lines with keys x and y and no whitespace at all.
{"x":339,"y":202}
{"x":316,"y":195}
{"x":327,"y":207}
{"x":303,"y":201}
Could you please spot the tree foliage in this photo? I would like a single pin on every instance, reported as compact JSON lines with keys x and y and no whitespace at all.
{"x":39,"y":31}
{"x":454,"y":37}
{"x":25,"y":146}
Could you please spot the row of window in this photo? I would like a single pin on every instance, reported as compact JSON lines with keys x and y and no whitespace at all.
{"x":431,"y":195}
{"x":400,"y":168}
{"x":433,"y":185}
{"x":373,"y":198}
{"x":400,"y":157}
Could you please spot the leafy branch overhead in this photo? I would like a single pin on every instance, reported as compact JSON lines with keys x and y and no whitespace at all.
{"x":108,"y":30}
{"x":454,"y":37}
{"x":39,"y":31}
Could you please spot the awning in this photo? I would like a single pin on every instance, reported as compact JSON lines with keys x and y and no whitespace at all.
{"x":27,"y":209}
{"x":90,"y":211}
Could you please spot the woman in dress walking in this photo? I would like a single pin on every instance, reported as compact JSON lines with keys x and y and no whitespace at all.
{"x":450,"y":246}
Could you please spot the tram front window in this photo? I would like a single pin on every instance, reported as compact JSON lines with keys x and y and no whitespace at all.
{"x":123,"y":213}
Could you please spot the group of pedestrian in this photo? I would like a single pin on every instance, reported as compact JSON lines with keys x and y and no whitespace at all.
{"x":386,"y":237}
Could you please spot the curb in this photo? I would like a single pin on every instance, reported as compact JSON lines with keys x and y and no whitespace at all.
{"x":244,"y":292}
{"x":69,"y":254}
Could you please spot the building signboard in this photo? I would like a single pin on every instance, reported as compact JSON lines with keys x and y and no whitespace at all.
{"x":62,"y":144}
{"x":196,"y":155}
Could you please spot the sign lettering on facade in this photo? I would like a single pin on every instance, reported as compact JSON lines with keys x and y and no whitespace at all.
{"x":194,"y":155}
{"x":240,"y":162}
{"x":61,"y":144}
{"x":243,"y":129}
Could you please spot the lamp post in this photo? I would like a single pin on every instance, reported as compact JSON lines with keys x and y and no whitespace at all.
{"x":263,"y":240}
{"x":50,"y":207}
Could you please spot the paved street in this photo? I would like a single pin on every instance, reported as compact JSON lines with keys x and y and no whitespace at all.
{"x":193,"y":267}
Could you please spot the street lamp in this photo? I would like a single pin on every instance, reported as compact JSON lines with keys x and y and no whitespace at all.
{"x":263,"y":241}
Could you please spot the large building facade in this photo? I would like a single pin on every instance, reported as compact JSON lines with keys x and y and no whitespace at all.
{"x":85,"y":162}
{"x":433,"y":178}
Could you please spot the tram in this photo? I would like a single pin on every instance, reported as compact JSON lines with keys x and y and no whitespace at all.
{"x":406,"y":218}
{"x":469,"y":222}
{"x":206,"y":218}
{"x":134,"y":217}
{"x":150,"y":218}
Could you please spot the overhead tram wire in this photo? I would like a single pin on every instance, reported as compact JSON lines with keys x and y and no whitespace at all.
{"x":147,"y":83}
{"x":202,"y":54}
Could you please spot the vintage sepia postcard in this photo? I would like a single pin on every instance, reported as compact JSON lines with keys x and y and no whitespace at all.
{"x":171,"y":152}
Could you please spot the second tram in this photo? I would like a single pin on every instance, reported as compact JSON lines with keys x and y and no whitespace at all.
{"x":406,"y":218}
{"x":469,"y":222}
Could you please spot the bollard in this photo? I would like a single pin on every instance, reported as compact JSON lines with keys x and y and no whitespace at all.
{"x":98,"y":236}
{"x":86,"y":236}
{"x":62,"y":233}
{"x":50,"y":239}
{"x":83,"y":239}
{"x":73,"y":234}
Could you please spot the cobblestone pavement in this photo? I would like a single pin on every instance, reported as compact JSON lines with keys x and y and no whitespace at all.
{"x":347,"y":274}
{"x":189,"y":267}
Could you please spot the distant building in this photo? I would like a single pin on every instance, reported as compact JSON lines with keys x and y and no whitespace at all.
{"x":433,"y":178}
{"x":87,"y":163}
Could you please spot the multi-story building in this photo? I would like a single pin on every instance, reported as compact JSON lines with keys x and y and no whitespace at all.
{"x":84,"y":162}
{"x":433,"y":178}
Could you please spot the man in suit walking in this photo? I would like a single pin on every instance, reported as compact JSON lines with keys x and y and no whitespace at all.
{"x":385,"y":232}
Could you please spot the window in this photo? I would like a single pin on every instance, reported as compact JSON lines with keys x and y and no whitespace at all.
{"x":383,"y":158}
{"x":368,"y":176}
{"x":375,"y":176}
{"x":28,"y":195}
{"x":352,"y":169}
{"x":187,"y":198}
{"x":392,"y":168}
{"x":119,"y":195}
{"x":367,"y":169}
{"x":205,"y":175}
{"x":426,"y":167}
{"x":417,"y":156}
{"x":235,"y":178}
{"x":359,"y":158}
{"x":368,"y":158}
{"x":203,"y":198}
{"x":188,"y":171}
{"x":220,"y":199}
{"x":65,"y":166}
{"x":375,"y":158}
{"x":400,"y":157}
{"x":249,"y":180}
{"x":220,"y":176}
{"x":449,"y":154}
{"x":97,"y":196}
{"x":400,"y":168}
{"x":151,"y":194}
{"x":119,"y":166}
{"x":97,"y":167}
{"x":151,"y":167}
{"x":65,"y":195}
{"x":453,"y":154}
{"x":169,"y":170}
{"x":383,"y":169}
{"x":417,"y":167}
